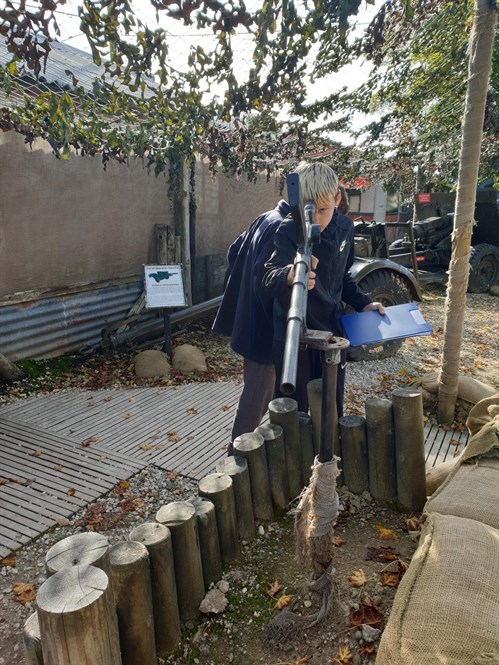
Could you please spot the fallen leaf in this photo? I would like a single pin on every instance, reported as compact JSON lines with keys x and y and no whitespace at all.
{"x":102,"y":457}
{"x":366,"y":613}
{"x":62,"y":521}
{"x":303,"y":661}
{"x":3,"y":481}
{"x":171,"y":475}
{"x":108,"y":398}
{"x":36,"y":453}
{"x":23,"y":593}
{"x":274,"y":588}
{"x":225,"y":407}
{"x":368,"y":648}
{"x":145,"y":446}
{"x":8,"y":561}
{"x":86,"y":442}
{"x":390,"y":579}
{"x":381,"y":554}
{"x":57,"y":467}
{"x":192,"y":410}
{"x":127,"y":416}
{"x":454,"y":442}
{"x":173,"y":439}
{"x":337,"y":541}
{"x":344,"y":655}
{"x":70,"y":491}
{"x":283,"y":601}
{"x":357,"y":578}
{"x":413,"y":523}
{"x":385,"y":534}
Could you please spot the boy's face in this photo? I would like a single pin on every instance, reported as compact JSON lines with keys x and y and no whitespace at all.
{"x":324,"y":209}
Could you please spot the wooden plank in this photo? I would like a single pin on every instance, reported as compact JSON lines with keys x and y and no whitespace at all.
{"x":49,"y":505}
{"x":72,"y":448}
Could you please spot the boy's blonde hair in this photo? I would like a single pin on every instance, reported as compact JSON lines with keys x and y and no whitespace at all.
{"x":317,"y":181}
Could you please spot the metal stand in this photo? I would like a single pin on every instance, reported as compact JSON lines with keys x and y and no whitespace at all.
{"x":167,"y":348}
{"x":330,"y":348}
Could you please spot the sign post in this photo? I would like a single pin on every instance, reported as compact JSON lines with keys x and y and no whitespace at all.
{"x":164,"y":288}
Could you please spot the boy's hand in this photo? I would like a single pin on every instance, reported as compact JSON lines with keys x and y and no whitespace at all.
{"x":311,"y":274}
{"x":374,"y":306}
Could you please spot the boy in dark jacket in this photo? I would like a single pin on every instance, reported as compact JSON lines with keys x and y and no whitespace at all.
{"x":245,"y":315}
{"x":330,"y":282}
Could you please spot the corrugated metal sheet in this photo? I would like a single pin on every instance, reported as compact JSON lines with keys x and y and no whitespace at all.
{"x":64,"y":324}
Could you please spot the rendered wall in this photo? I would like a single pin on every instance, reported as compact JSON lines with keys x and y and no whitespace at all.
{"x":69,"y":222}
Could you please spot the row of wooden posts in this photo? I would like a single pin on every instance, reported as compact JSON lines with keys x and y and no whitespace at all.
{"x":124,"y":604}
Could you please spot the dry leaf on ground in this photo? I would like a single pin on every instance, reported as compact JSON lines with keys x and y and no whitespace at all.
{"x":24,"y":593}
{"x":357,"y":578}
{"x":274,"y":588}
{"x":384,"y":533}
{"x":283,"y":601}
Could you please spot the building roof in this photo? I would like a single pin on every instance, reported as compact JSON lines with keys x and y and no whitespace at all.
{"x":66,"y":68}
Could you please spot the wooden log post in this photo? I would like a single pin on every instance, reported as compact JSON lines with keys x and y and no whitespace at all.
{"x":276,"y":461}
{"x":77,"y":618}
{"x":307,"y":446}
{"x":251,"y":446}
{"x":314,"y":393}
{"x":133,"y":594}
{"x":32,"y":641}
{"x":209,"y":543}
{"x":283,"y":411}
{"x":237,"y":468}
{"x":217,"y":487}
{"x":157,"y":539}
{"x":354,"y":447}
{"x":180,"y":518}
{"x":381,"y":449}
{"x":409,"y":448}
{"x":82,"y":549}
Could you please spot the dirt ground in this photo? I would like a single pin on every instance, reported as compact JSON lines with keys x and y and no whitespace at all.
{"x":268,"y":575}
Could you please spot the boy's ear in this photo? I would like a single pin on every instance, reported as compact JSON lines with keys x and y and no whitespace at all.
{"x":337,"y":199}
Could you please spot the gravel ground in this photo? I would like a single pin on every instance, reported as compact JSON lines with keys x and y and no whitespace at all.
{"x":235,"y":635}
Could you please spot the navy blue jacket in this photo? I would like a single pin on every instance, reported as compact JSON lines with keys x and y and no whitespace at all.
{"x":245,"y":313}
{"x":333,"y":282}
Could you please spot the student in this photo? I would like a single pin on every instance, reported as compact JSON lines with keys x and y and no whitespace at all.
{"x":245,"y":315}
{"x":330,"y":283}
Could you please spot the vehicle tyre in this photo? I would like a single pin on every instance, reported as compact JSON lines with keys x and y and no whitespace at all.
{"x":388,"y":288}
{"x":484,"y":268}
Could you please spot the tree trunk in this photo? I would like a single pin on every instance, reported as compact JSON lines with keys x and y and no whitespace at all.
{"x":480,"y":49}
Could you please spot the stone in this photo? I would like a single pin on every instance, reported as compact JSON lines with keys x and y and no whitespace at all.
{"x":151,"y":364}
{"x":188,"y":358}
{"x":494,"y":290}
{"x":214,"y":602}
{"x":370,"y":634}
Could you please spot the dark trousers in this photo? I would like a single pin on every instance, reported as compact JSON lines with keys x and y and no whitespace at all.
{"x":309,"y":367}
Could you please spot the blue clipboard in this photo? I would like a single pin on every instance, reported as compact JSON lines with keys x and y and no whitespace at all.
{"x":398,"y":322}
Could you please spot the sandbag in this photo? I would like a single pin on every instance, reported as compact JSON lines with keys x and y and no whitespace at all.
{"x":482,"y":413}
{"x":470,"y":389}
{"x":446,"y":609}
{"x":473,"y":493}
{"x":437,"y":475}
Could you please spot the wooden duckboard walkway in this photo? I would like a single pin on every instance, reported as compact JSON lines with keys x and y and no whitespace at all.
{"x":49,"y":474}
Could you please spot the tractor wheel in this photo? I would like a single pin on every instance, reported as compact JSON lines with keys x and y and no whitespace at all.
{"x":484,"y":268}
{"x":389,"y":289}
